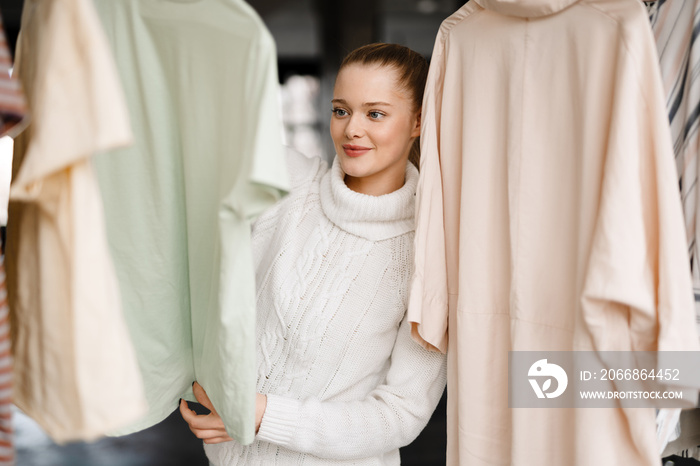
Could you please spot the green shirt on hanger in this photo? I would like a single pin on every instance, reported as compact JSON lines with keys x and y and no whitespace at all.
{"x":200,"y":78}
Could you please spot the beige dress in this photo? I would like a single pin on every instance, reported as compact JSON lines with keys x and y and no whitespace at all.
{"x":548,"y":218}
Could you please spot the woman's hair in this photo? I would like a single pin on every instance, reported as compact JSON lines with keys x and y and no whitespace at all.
{"x":412,"y":69}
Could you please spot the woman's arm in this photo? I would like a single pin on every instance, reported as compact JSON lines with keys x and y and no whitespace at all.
{"x":391,"y":416}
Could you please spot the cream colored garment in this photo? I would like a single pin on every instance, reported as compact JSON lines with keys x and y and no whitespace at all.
{"x":75,"y":369}
{"x":548,"y":218}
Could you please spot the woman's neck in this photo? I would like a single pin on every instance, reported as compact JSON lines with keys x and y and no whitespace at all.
{"x":372,"y":186}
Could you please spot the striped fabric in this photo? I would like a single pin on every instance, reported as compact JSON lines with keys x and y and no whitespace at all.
{"x":676,"y":25}
{"x":6,"y":433}
{"x":12,"y":110}
{"x":12,"y":104}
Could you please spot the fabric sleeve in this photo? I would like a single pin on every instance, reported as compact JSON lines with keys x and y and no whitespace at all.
{"x":99,"y":121}
{"x":638,"y":271}
{"x":302,"y":169}
{"x":391,"y":416}
{"x":428,"y":304}
{"x":267,"y":180}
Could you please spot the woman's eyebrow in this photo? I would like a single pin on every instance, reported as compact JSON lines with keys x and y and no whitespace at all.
{"x":366,"y":104}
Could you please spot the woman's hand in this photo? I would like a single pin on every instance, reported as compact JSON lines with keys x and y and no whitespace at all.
{"x":210,"y":427}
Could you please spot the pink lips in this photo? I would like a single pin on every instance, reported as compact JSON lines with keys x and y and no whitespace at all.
{"x":355,"y":151}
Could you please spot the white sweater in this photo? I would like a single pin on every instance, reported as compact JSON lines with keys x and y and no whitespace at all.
{"x":345,"y":382}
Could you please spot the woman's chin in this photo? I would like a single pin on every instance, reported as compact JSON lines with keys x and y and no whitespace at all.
{"x":353,"y":166}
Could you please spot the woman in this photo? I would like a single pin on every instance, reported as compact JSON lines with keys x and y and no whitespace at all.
{"x":339,"y":379}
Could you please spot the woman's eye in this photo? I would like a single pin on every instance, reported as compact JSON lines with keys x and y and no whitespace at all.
{"x":375,"y":115}
{"x":339,"y":112}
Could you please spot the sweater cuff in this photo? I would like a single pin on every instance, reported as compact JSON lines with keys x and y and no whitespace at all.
{"x":281,"y":415}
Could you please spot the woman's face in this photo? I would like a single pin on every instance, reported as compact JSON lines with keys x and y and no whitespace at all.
{"x":373,"y":127}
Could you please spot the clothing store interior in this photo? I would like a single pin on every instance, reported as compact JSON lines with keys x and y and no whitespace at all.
{"x":198,"y":266}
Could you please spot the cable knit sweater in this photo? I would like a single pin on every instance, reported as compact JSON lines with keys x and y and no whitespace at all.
{"x":345,"y":383}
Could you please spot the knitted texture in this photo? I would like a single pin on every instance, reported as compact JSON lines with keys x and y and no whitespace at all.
{"x":345,"y":382}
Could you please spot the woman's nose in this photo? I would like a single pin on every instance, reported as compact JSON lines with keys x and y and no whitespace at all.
{"x":354,"y":129}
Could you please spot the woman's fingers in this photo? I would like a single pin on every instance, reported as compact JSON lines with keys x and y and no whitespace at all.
{"x":207,"y":435}
{"x":185,"y":411}
{"x":190,"y":416}
{"x":202,"y":397}
{"x":208,"y":427}
{"x":216,"y":435}
{"x":212,"y":441}
{"x":209,"y":421}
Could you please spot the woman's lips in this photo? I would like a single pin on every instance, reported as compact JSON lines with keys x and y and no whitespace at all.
{"x":355,"y":151}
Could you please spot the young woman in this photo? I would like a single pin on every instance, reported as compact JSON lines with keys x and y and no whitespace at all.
{"x":339,"y":379}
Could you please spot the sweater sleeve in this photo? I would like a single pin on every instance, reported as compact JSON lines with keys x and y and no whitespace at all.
{"x":302,"y":169}
{"x":389,"y":417}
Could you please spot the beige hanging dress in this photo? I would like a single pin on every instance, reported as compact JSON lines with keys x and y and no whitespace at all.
{"x":548,"y":218}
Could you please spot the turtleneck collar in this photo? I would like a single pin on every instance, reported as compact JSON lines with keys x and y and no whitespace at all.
{"x":375,"y":218}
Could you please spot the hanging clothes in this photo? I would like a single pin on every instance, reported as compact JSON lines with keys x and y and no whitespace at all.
{"x":12,"y":116}
{"x":201,"y":84}
{"x":547,"y":219}
{"x":12,"y":104}
{"x":675,"y":24}
{"x":12,"y":120}
{"x":74,"y":366}
{"x":7,"y":450}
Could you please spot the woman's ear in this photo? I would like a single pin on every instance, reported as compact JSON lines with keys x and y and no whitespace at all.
{"x":416,"y":129}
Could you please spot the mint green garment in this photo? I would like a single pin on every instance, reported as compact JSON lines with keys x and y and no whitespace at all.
{"x":200,"y":79}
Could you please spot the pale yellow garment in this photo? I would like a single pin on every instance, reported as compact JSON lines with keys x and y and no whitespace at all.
{"x":75,"y":369}
{"x":548,"y":218}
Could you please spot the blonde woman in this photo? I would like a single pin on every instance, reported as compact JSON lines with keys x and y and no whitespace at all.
{"x":339,"y":379}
